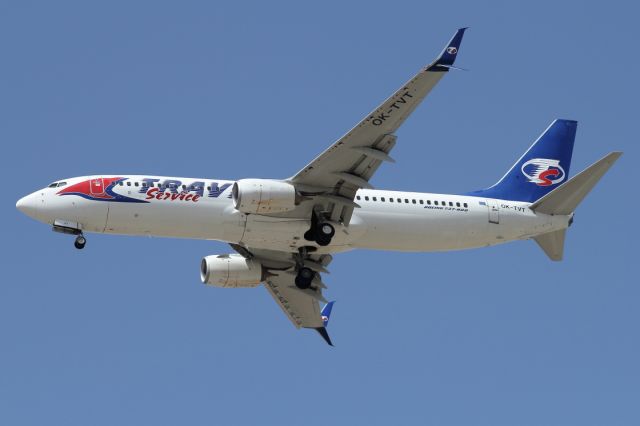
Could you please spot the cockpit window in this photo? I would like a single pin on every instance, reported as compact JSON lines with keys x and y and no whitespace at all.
{"x":53,"y":185}
{"x":57,"y":184}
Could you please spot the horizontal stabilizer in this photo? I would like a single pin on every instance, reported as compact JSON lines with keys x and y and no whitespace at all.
{"x":564,"y":199}
{"x":552,"y":243}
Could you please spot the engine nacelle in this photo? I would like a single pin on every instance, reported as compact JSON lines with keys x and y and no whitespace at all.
{"x":263,"y":196}
{"x":230,"y":270}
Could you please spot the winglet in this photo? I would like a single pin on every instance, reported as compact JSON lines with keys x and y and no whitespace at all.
{"x":448,"y":56}
{"x":326,"y":313}
{"x":323,"y":332}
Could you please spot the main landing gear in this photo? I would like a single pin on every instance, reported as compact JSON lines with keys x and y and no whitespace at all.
{"x":304,"y":275}
{"x":321,"y":231}
{"x":304,"y":278}
{"x":80,"y":242}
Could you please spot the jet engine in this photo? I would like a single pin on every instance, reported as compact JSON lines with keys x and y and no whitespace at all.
{"x":263,"y":196}
{"x":231,"y":270}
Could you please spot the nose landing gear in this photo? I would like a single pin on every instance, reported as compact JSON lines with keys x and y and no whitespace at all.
{"x":80,"y":242}
{"x":71,"y":228}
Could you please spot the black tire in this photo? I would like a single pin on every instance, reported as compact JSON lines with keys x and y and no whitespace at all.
{"x":304,"y":278}
{"x":310,"y":235}
{"x":323,"y":241}
{"x":325,"y":230}
{"x":80,"y":242}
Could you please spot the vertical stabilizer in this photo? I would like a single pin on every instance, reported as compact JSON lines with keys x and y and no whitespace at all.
{"x":541,"y":169}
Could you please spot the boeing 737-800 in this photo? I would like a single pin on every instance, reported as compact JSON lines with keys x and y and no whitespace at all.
{"x":285,"y":231}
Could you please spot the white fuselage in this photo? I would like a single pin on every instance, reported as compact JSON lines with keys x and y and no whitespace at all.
{"x":203,"y":209}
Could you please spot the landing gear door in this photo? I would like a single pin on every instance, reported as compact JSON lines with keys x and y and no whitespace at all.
{"x":494,"y":211}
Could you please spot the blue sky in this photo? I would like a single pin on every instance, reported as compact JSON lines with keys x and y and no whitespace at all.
{"x":124,"y":333}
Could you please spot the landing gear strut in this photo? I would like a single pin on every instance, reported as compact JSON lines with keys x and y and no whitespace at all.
{"x":66,"y":227}
{"x":80,"y":242}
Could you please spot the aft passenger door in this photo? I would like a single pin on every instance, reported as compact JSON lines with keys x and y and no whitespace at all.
{"x":494,"y":211}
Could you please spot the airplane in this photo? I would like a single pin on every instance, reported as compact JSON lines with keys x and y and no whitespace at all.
{"x":285,"y":231}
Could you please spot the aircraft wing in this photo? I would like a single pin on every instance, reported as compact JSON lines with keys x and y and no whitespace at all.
{"x":350,"y":162}
{"x":302,"y":307}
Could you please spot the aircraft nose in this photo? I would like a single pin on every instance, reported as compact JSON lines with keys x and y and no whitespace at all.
{"x":28,"y":205}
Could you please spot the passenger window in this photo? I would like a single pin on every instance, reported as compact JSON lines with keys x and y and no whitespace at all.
{"x":399,"y":200}
{"x":128,"y":183}
{"x":429,"y":202}
{"x":120,"y":183}
{"x":144,"y":184}
{"x":391,"y":200}
{"x":358,"y":197}
{"x":382,"y":199}
{"x":457,"y":204}
{"x":421,"y":202}
{"x":413,"y":201}
{"x":136,"y":184}
{"x":209,"y":189}
{"x":375,"y":199}
{"x":444,"y":203}
{"x":450,"y":203}
{"x":366,"y":198}
{"x":465,"y":205}
{"x":406,"y":200}
{"x":184,"y":187}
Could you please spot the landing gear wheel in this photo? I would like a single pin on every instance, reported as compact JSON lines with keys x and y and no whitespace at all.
{"x":325,"y":230}
{"x":304,"y":278}
{"x":321,"y":232}
{"x":80,"y":242}
{"x":310,"y":235}
{"x":323,"y":241}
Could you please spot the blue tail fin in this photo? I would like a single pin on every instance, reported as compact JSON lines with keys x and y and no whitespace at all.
{"x":540,"y":169}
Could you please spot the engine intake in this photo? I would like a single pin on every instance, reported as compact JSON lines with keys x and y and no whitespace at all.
{"x":231,"y":270}
{"x":263,"y":196}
